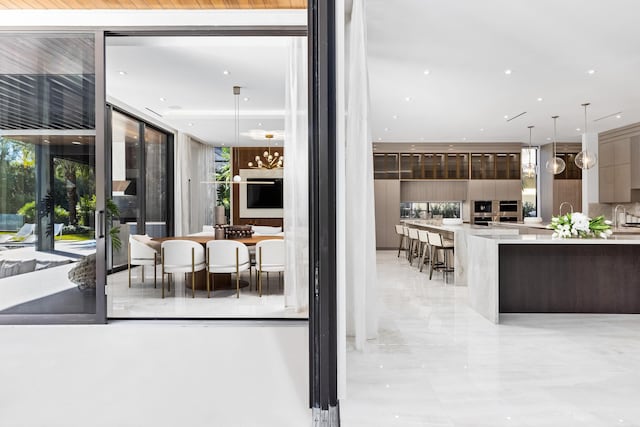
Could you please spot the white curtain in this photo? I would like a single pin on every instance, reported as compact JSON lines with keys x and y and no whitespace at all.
{"x":296,"y":181}
{"x":195,"y":195}
{"x":361,"y":303}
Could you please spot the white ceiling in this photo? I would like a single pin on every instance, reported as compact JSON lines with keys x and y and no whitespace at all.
{"x":188,"y":73}
{"x":465,"y":44}
{"x":468,"y":44}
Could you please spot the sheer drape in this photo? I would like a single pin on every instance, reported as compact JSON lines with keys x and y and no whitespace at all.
{"x":360,"y":221}
{"x":296,"y":181}
{"x":195,"y":193}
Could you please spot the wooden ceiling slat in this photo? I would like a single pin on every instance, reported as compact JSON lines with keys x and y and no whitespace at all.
{"x":153,"y":4}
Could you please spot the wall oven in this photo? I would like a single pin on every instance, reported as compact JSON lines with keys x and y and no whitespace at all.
{"x":508,"y":206}
{"x":508,"y":219}
{"x":482,"y":220}
{"x":482,"y":207}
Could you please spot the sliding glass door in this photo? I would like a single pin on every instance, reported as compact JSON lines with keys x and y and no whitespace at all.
{"x":141,"y":177}
{"x":51,"y":206}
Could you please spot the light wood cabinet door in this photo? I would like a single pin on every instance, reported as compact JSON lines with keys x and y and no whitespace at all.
{"x":606,"y":184}
{"x":622,"y":151}
{"x":622,"y":183}
{"x":635,"y":162}
{"x":605,"y":154}
{"x":387,"y":211}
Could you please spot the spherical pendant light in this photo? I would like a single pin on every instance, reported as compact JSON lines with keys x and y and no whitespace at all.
{"x":586,"y":159}
{"x":555,"y":165}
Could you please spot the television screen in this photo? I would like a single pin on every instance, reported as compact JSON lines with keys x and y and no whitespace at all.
{"x":264,"y":196}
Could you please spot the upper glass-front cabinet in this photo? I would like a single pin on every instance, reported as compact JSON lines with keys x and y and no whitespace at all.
{"x":48,"y":179}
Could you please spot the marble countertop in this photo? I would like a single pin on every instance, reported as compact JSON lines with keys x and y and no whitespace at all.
{"x":526,"y":239}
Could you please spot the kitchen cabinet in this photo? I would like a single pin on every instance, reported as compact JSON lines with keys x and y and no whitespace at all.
{"x":618,"y":169}
{"x":433,"y":191}
{"x":385,"y":166}
{"x":510,"y":189}
{"x":387,"y":211}
{"x":567,"y":190}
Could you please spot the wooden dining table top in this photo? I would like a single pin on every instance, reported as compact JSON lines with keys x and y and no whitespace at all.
{"x":249,"y":241}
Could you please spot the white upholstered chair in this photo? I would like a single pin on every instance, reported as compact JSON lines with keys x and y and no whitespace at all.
{"x":226,"y":256}
{"x":142,"y":253}
{"x":438,"y":244}
{"x":270,"y":258}
{"x":182,"y":256}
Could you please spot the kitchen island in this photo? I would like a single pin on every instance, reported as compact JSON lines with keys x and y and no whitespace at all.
{"x":459,"y":235}
{"x":539,"y":274}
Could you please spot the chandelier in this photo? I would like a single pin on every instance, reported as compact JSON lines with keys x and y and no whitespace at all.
{"x":268,"y":160}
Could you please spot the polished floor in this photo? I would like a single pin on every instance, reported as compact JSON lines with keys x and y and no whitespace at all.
{"x":438,"y":363}
{"x":142,"y":300}
{"x":156,"y":374}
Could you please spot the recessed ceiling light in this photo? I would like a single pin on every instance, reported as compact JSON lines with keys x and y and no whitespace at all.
{"x":225,"y":72}
{"x":379,"y":139}
{"x":189,"y":124}
{"x":422,"y":138}
{"x":246,"y":98}
{"x":481,"y":129}
{"x":548,"y":139}
{"x":386,"y":129}
{"x":122,"y":73}
{"x":507,"y":71}
{"x":464,"y":139}
{"x":618,"y":116}
{"x":539,"y":99}
{"x":163,"y":99}
{"x":591,"y":71}
{"x":76,"y":142}
{"x":408,"y":99}
{"x":260,"y":124}
{"x":426,"y":72}
{"x":506,"y":116}
{"x":578,"y":129}
{"x":394,"y":117}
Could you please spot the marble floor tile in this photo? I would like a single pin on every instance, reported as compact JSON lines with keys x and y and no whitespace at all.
{"x":436,"y":362}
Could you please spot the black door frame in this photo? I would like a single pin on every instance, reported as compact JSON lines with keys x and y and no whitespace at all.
{"x":323,"y":343}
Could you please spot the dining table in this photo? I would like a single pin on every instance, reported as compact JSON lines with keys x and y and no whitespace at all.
{"x":221,"y":281}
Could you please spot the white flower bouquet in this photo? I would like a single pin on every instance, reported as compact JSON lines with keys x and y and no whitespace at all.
{"x":578,"y":225}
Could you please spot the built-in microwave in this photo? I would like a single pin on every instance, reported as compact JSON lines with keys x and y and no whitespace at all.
{"x":482,"y":206}
{"x":508,"y":206}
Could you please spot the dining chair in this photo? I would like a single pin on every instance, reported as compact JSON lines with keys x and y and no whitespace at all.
{"x":141,"y":254}
{"x":226,"y":256}
{"x":270,"y":258}
{"x":182,"y":256}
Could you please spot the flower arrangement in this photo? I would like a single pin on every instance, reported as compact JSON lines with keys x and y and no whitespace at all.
{"x":578,"y":225}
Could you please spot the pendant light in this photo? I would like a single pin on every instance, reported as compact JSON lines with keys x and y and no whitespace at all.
{"x":530,"y":169}
{"x":236,"y":129}
{"x":555,"y":165}
{"x":586,"y":159}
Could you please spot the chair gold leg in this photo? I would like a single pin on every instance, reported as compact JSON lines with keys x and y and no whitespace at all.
{"x":207,"y":261}
{"x":193,"y":273}
{"x":129,"y":262}
{"x":259,"y":273}
{"x":162,"y":260}
{"x":155,"y":270}
{"x":237,"y":274}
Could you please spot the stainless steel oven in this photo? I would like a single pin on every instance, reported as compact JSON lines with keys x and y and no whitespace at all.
{"x":482,"y":220}
{"x":508,"y":219}
{"x":482,"y":207}
{"x":508,"y":206}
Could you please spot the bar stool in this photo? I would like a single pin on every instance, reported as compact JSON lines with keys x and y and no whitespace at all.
{"x":446,"y":247}
{"x":423,"y":238}
{"x":413,"y":244}
{"x":400,"y":233}
{"x":407,"y":242}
